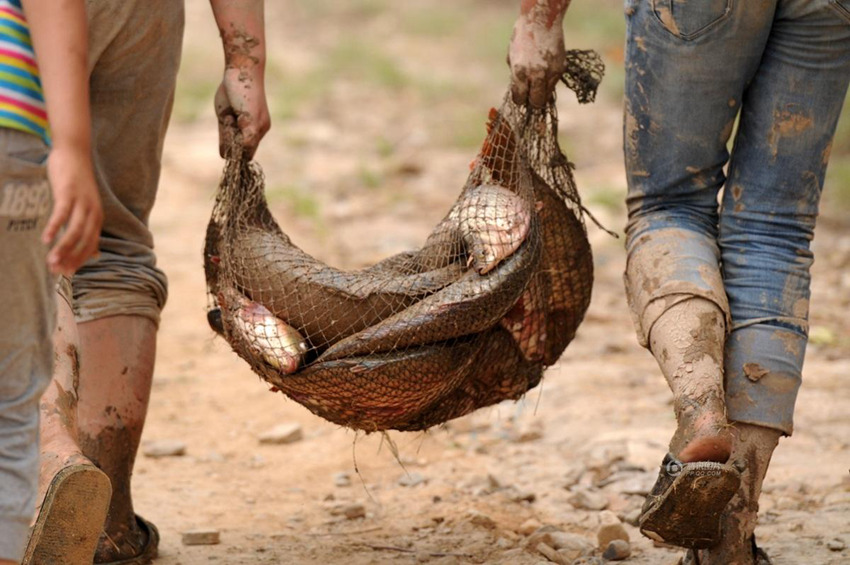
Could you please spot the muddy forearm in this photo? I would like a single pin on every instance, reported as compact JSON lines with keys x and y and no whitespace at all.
{"x":242,"y":29}
{"x":549,"y":13}
{"x":240,"y":102}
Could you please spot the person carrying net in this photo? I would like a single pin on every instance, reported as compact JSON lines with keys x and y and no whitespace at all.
{"x":719,"y":294}
{"x":94,"y":410}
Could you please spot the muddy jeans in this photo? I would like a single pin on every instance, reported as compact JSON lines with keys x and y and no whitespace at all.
{"x":692,"y":67}
{"x":134,"y":53}
{"x":27,"y":302}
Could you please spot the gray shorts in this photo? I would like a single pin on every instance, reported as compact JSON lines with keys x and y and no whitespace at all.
{"x":134,"y":53}
{"x":28,"y":304}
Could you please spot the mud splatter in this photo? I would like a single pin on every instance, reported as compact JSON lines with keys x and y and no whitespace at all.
{"x":754,"y":371}
{"x":787,"y":123}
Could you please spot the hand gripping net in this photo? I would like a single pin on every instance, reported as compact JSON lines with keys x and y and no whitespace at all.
{"x":471,"y":318}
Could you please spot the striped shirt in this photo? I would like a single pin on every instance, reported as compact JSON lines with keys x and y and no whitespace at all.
{"x":21,"y":98}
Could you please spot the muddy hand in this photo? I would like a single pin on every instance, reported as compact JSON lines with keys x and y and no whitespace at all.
{"x":536,"y":54}
{"x":243,"y":115}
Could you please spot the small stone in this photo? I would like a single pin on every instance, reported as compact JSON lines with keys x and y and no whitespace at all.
{"x":201,"y":536}
{"x":482,"y":520}
{"x":282,"y":434}
{"x":610,"y":529}
{"x":354,"y":511}
{"x":631,"y":517}
{"x":588,"y":500}
{"x":617,"y":550}
{"x":550,"y":554}
{"x":571,"y":546}
{"x":164,"y":448}
{"x":342,"y":479}
{"x":529,"y":435}
{"x":573,"y":475}
{"x":529,"y":527}
{"x":411,"y":480}
{"x":522,"y":496}
{"x":836,"y":544}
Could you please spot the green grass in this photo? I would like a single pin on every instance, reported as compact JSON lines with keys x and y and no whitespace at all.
{"x":195,"y":86}
{"x":436,"y":21}
{"x":365,"y":62}
{"x":297,"y":200}
{"x":369,"y":177}
{"x":610,"y":198}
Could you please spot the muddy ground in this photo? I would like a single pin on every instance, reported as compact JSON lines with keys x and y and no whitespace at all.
{"x":377,"y":110}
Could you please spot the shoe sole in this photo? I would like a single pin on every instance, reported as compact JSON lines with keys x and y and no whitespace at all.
{"x":71,"y":518}
{"x":688,"y":513}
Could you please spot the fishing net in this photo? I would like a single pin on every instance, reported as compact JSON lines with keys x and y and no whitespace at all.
{"x":494,"y":295}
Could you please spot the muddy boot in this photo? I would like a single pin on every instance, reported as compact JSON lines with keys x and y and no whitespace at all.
{"x":694,"y":484}
{"x":73,"y":494}
{"x":752,"y":449}
{"x":115,"y":381}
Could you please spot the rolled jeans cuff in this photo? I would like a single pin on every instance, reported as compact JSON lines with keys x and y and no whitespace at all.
{"x":14,"y":531}
{"x":763,"y":367}
{"x":666,"y":267}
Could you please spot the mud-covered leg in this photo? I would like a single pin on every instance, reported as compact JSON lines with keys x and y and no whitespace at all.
{"x":73,"y":493}
{"x":687,"y":341}
{"x":115,"y":382}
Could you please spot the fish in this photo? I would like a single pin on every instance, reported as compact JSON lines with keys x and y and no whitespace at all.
{"x":278,"y":344}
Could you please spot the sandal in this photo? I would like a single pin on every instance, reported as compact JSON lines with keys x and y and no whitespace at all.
{"x":687,"y":501}
{"x":149,"y":551}
{"x":73,"y":510}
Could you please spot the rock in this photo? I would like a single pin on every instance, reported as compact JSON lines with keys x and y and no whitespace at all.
{"x":617,"y":550}
{"x":522,"y":496}
{"x":354,"y":511}
{"x":202,"y":536}
{"x":550,"y":554}
{"x":342,"y":479}
{"x":610,"y":529}
{"x":528,"y":435}
{"x":529,"y":527}
{"x":631,"y":517}
{"x":351,"y":511}
{"x":588,"y":500}
{"x":836,"y":544}
{"x":573,"y":475}
{"x":570,"y":546}
{"x":282,"y":434}
{"x":412,"y":480}
{"x":482,"y":520}
{"x":164,"y":448}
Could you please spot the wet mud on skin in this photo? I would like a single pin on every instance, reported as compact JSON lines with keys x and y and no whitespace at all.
{"x":122,"y":537}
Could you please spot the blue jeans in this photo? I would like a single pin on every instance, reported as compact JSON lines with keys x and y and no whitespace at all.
{"x":692,"y":67}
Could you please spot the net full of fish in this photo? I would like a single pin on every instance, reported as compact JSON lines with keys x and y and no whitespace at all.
{"x":473,"y":317}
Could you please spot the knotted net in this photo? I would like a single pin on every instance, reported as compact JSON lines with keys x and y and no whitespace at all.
{"x":493,"y":296}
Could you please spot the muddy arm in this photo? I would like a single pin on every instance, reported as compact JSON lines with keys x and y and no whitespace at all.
{"x":240,"y":102}
{"x":536,"y":53}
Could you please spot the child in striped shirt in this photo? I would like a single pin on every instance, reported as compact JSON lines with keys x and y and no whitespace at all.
{"x":30,"y":92}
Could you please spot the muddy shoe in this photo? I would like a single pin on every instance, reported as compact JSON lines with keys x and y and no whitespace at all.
{"x":692,"y":557}
{"x":686,"y":502}
{"x":71,"y":517}
{"x":150,"y":548}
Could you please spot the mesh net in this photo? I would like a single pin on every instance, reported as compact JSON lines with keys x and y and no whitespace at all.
{"x":494,"y":295}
